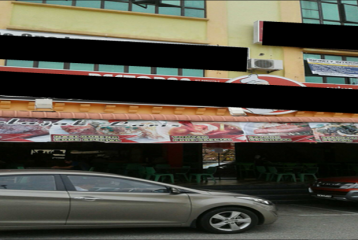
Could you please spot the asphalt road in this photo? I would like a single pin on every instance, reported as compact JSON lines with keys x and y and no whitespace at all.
{"x":330,"y":220}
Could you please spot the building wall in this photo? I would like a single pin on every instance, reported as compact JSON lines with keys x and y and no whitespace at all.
{"x":5,"y":14}
{"x":241,"y":17}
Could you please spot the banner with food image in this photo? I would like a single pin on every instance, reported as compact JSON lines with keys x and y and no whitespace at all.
{"x":277,"y":132}
{"x":117,"y":131}
{"x":335,"y":132}
{"x":207,"y":132}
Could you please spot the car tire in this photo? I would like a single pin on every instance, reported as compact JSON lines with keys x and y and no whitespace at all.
{"x":228,"y":220}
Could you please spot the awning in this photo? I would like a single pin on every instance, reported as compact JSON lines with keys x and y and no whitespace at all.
{"x":17,"y":129}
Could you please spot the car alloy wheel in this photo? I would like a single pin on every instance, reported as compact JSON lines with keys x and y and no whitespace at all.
{"x":228,"y":220}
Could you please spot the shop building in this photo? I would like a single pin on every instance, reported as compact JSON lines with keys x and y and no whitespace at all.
{"x":224,"y":23}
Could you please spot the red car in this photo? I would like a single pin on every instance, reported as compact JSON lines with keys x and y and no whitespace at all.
{"x":336,"y":188}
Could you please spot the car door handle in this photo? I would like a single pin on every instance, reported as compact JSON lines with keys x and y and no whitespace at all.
{"x":87,"y":198}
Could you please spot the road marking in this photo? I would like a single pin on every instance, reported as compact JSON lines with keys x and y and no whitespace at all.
{"x":350,"y":213}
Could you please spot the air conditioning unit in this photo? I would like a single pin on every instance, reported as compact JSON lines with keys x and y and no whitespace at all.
{"x":264,"y":64}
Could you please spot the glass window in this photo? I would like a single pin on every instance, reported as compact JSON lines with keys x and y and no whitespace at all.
{"x":111,"y":68}
{"x":32,"y":1}
{"x":330,"y":11}
{"x":52,"y":65}
{"x":82,"y":66}
{"x":19,"y":63}
{"x":108,"y":184}
{"x":28,"y":182}
{"x":310,"y":13}
{"x":332,"y":1}
{"x":353,"y":59}
{"x":311,"y":79}
{"x":352,"y":2}
{"x":176,"y":11}
{"x":116,"y":5}
{"x":332,"y":57}
{"x":139,"y":69}
{"x":314,"y":56}
{"x":194,"y":13}
{"x":89,"y":4}
{"x":309,"y":5}
{"x":63,"y":2}
{"x":167,"y":71}
{"x":351,"y":24}
{"x":194,"y":4}
{"x":351,"y":13}
{"x":172,"y":2}
{"x":149,"y":9}
{"x":311,"y":21}
{"x":337,"y":80}
{"x":193,"y":72}
{"x":353,"y":81}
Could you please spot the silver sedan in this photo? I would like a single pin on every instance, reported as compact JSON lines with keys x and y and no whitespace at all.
{"x":54,"y":199}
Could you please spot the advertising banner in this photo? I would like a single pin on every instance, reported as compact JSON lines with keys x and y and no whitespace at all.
{"x":335,"y":132}
{"x":278,"y":132}
{"x":117,"y":131}
{"x":336,"y":68}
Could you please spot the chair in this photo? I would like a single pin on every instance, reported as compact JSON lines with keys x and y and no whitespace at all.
{"x":309,"y":172}
{"x":262,"y":170}
{"x":274,"y":172}
{"x":150,"y":172}
{"x":209,"y":173}
{"x":186,"y":170}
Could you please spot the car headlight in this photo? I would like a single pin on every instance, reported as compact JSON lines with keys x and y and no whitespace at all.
{"x":259,"y":200}
{"x":349,"y":185}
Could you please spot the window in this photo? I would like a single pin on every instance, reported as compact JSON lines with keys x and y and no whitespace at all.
{"x":28,"y":182}
{"x":107,"y":68}
{"x":336,"y":12}
{"x":189,"y":8}
{"x":108,"y":184}
{"x":314,"y":78}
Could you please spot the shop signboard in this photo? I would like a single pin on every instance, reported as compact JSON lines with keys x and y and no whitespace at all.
{"x":211,"y":133}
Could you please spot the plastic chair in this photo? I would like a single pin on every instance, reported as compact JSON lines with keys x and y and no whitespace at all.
{"x":309,"y":172}
{"x":186,"y":170}
{"x":274,"y":172}
{"x":262,"y":170}
{"x":209,"y":173}
{"x":150,"y":172}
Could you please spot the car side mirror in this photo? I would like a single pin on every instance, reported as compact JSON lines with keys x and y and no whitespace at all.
{"x":174,"y":191}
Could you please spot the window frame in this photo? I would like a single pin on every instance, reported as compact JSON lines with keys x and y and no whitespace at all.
{"x":130,"y":6}
{"x":341,"y":11}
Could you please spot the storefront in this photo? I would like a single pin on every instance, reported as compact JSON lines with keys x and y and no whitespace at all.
{"x":110,"y":139}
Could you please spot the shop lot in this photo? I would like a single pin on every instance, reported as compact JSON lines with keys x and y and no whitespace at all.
{"x":323,"y":220}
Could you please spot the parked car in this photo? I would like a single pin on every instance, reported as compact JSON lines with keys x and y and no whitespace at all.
{"x":336,"y":188}
{"x":52,"y":199}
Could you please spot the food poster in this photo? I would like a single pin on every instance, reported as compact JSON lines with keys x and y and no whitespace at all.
{"x":207,"y":132}
{"x":114,"y":131}
{"x":335,"y":132}
{"x":277,"y":132}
